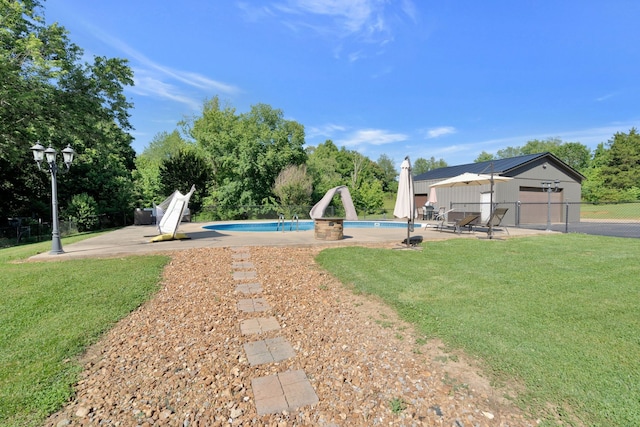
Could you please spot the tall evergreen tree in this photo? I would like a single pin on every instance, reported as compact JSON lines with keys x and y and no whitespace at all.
{"x":181,"y":171}
{"x":622,"y":170}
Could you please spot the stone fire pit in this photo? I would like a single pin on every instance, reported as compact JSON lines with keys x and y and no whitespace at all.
{"x":329,"y":228}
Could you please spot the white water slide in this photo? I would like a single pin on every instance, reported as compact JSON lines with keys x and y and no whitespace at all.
{"x":169,"y":212}
{"x":350,"y":211}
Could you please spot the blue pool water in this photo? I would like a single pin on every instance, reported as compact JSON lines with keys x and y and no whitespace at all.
{"x":302,"y":225}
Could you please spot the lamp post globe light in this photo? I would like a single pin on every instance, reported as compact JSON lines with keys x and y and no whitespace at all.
{"x":48,"y":155}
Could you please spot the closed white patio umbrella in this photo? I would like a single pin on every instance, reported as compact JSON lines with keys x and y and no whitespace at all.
{"x":405,"y":201}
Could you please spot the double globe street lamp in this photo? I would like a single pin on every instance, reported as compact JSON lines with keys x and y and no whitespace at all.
{"x":49,"y":157}
{"x":547,"y":186}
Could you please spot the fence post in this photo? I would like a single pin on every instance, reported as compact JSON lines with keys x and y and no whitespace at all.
{"x":566,"y":218}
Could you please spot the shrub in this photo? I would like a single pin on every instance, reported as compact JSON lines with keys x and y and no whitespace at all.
{"x":83,"y":209}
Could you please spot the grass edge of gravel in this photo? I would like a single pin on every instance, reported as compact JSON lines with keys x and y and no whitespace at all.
{"x":522,"y":305}
{"x":51,"y":313}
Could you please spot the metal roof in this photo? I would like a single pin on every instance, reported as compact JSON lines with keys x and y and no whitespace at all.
{"x":500,"y":166}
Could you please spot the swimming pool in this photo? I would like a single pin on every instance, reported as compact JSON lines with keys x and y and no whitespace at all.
{"x":301,"y":226}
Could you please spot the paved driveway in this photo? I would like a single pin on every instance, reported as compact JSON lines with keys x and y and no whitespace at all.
{"x":600,"y":228}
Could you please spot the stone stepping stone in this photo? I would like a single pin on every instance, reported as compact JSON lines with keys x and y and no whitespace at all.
{"x":268,"y":351}
{"x":240,"y":256}
{"x":244,"y":275}
{"x":242,"y":265}
{"x":239,"y":249}
{"x":285,"y":391}
{"x":251,"y":305}
{"x":249,"y":288}
{"x":258,"y":325}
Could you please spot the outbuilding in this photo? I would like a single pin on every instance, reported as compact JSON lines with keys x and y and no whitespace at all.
{"x":541,"y":189}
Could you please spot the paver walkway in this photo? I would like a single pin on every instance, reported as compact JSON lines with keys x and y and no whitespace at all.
{"x":284,"y":391}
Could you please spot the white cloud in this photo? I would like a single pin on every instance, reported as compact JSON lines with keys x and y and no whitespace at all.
{"x":356,"y":21}
{"x":253,"y":13}
{"x":590,"y":137}
{"x":326,"y":131}
{"x":353,"y":16}
{"x":153,"y":78}
{"x":410,"y":9}
{"x":146,"y":85}
{"x":371,"y":137}
{"x":440,"y":131}
{"x":605,"y":97}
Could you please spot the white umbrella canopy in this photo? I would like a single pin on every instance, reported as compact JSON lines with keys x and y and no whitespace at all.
{"x":467,"y":178}
{"x":470,"y":179}
{"x":433,"y":197}
{"x":405,"y":201}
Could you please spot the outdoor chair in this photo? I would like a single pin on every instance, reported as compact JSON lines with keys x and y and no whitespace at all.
{"x":458,"y":226}
{"x":495,"y":220}
{"x":427,"y":213}
{"x":442,"y":214}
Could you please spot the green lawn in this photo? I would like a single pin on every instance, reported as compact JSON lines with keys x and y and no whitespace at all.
{"x":50,"y":312}
{"x":610,"y":211}
{"x":559,"y":314}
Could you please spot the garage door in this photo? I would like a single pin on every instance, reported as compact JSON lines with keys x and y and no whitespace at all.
{"x":534,"y":205}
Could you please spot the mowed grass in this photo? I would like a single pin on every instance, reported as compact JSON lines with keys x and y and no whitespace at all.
{"x":557,"y":314}
{"x":610,"y":211}
{"x":50,"y":312}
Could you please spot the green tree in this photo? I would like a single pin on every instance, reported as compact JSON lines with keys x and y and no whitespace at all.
{"x":593,"y":187}
{"x":421,"y":165}
{"x":389,"y":173}
{"x":484,"y":157}
{"x":622,"y":168}
{"x":509,"y":152}
{"x":536,"y":146}
{"x":181,"y":171}
{"x":247,"y":152}
{"x":47,"y":94}
{"x":369,"y":197}
{"x":293,"y":189}
{"x":322,"y":165}
{"x":575,"y":154}
{"x":83,"y":209}
{"x":147,"y":173}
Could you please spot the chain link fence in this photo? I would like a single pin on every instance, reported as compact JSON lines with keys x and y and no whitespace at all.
{"x":21,"y":231}
{"x":257,"y":212}
{"x":17,"y":231}
{"x":606,"y":219}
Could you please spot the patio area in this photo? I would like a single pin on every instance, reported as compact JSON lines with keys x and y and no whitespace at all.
{"x":136,"y":239}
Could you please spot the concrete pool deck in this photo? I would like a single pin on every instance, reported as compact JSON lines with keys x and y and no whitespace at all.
{"x":136,"y":239}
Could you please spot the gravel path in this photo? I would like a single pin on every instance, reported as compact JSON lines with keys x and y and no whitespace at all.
{"x":179,"y":359}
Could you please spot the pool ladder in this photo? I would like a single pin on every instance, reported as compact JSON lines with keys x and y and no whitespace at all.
{"x":281,"y":220}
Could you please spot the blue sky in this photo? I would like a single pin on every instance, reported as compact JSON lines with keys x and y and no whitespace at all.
{"x":446,"y":79}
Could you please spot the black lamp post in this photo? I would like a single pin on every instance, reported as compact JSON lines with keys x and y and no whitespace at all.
{"x":547,"y":185}
{"x":49,"y":156}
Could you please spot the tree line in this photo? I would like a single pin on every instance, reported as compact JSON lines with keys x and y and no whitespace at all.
{"x":235,"y":159}
{"x":48,"y":94}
